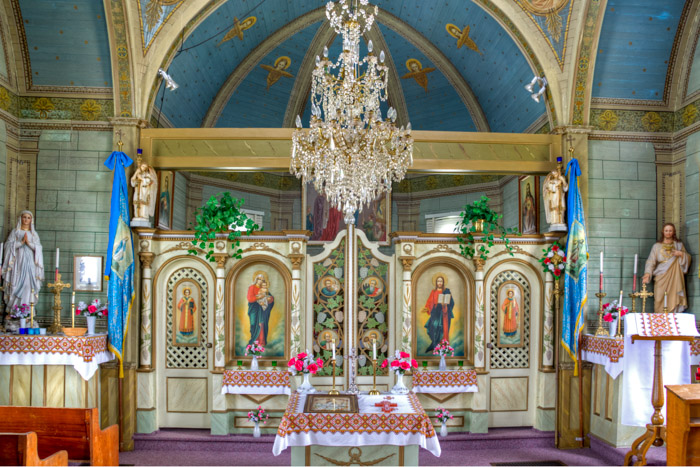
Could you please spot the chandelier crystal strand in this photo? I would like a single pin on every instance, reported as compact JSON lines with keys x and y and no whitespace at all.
{"x":350,"y":153}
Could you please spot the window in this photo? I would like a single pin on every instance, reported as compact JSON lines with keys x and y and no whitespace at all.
{"x":255,"y":216}
{"x":445,"y":222}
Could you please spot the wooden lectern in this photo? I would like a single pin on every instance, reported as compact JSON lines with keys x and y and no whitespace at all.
{"x":656,"y":430}
{"x":683,"y":425}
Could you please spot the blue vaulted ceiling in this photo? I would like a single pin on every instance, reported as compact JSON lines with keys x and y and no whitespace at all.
{"x":496,"y":73}
{"x":67,"y":42}
{"x":635,"y":48}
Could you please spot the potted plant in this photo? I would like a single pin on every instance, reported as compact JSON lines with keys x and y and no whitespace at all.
{"x":218,"y":215}
{"x":443,"y":415}
{"x":305,"y":364}
{"x":400,"y":364}
{"x":480,"y":218}
{"x":256,"y":416}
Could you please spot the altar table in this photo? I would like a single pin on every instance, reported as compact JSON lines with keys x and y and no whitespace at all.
{"x":445,"y":381}
{"x":408,"y":427}
{"x":84,"y":353}
{"x":256,"y":382}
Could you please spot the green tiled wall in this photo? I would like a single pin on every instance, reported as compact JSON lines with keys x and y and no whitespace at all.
{"x":621,"y":214}
{"x":72,"y":207}
{"x":510,"y":204}
{"x":690,"y":232}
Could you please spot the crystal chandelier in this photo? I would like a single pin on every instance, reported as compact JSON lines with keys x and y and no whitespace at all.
{"x":350,"y":153}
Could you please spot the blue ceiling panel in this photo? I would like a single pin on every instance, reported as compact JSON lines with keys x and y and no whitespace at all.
{"x":254,"y":104}
{"x":438,"y":108}
{"x":67,"y":42}
{"x":634,"y":48}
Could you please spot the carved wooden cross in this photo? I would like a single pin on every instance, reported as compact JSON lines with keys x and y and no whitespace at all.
{"x":387,"y":407}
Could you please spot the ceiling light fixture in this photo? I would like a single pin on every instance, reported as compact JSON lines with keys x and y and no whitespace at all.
{"x":350,"y":153}
{"x":530,"y":87}
{"x":169,"y":81}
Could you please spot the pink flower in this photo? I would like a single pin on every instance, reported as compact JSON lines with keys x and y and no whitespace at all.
{"x":299,"y":365}
{"x":312,"y":368}
{"x":557,"y":272}
{"x":414,"y":363}
{"x":405,"y":365}
{"x":404,"y":355}
{"x":608,"y":317}
{"x":547,"y":261}
{"x":92,"y":309}
{"x":623,"y":311}
{"x":292,"y":362}
{"x":386,"y":362}
{"x":302,"y":356}
{"x":319,"y":362}
{"x":395,"y":363}
{"x":77,"y":312}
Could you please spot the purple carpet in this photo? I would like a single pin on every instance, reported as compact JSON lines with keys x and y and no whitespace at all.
{"x":199,"y":447}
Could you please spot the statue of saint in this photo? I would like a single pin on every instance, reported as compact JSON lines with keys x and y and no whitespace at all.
{"x":23,"y":264}
{"x":145,"y":186}
{"x":668,"y":262}
{"x":555,"y":187}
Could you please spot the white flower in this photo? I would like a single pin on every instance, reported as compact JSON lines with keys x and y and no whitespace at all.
{"x":550,"y":254}
{"x":551,"y":267}
{"x":560,"y":253}
{"x":561,"y":266}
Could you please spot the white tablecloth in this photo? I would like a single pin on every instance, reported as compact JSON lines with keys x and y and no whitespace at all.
{"x":639,"y":367}
{"x":370,"y":427}
{"x":84,"y":353}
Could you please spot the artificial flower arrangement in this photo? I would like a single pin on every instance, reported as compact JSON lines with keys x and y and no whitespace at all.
{"x":611,"y":309}
{"x":401,"y":363}
{"x":304,"y":363}
{"x":258,"y":415}
{"x":443,"y":414}
{"x":20,"y":311}
{"x":554,"y":259}
{"x":443,"y":348}
{"x":96,"y":308}
{"x":254,"y":349}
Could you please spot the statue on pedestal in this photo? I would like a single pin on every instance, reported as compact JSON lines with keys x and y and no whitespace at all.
{"x":145,"y":183}
{"x":23,"y":263}
{"x":554,"y":194}
{"x":668,"y":262}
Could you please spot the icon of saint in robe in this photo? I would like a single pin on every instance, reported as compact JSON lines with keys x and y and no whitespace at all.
{"x":238,"y":28}
{"x":418,"y":73}
{"x":187,"y":308}
{"x":274,"y":73}
{"x":462,"y":36}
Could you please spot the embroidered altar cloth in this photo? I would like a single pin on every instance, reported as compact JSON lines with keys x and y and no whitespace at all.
{"x":256,"y":382}
{"x":445,"y":381}
{"x":84,"y":353}
{"x":602,"y":350}
{"x":408,"y":425}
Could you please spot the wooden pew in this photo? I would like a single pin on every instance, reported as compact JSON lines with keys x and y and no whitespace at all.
{"x":75,"y":430}
{"x":21,"y":449}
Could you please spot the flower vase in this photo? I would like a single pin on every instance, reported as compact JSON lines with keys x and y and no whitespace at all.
{"x":254,"y":363}
{"x":91,"y":324}
{"x":443,"y":428}
{"x":613,"y":327}
{"x":23,"y":323}
{"x":399,"y":387}
{"x":443,"y":364}
{"x":306,"y":387}
{"x":256,"y":430}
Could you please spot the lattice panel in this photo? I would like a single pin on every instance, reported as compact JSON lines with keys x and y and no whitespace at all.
{"x":372,"y":309}
{"x":510,"y":357}
{"x":186,"y":356}
{"x":329,"y":309}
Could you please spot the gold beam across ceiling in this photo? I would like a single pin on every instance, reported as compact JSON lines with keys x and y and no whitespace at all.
{"x":270,"y":148}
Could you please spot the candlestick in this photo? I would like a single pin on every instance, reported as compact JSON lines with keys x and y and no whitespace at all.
{"x":334,"y":390}
{"x":665,"y":302}
{"x":618,"y":334}
{"x":374,"y":348}
{"x":601,"y":331}
{"x":619,"y":303}
{"x":56,"y":289}
{"x":31,"y":309}
{"x":374,"y":391}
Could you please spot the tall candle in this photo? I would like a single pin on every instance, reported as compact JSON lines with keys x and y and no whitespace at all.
{"x":57,"y":257}
{"x":2,"y":248}
{"x":601,"y":272}
{"x":333,"y":344}
{"x":619,"y":304}
{"x":665,"y":299}
{"x":374,"y":349}
{"x":72,"y":310}
{"x":634,"y":278}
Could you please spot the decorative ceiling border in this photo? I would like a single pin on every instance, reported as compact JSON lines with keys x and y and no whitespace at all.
{"x":527,"y":50}
{"x":531,"y":15}
{"x":94,"y":91}
{"x":121,"y":69}
{"x":144,"y":46}
{"x":632,"y":120}
{"x":6,"y":80}
{"x":589,"y":39}
{"x":695,"y":93}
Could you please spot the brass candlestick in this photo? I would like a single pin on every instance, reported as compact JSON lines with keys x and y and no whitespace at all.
{"x":374,"y":391}
{"x":633,"y":296}
{"x":644,"y":295}
{"x":334,"y":390}
{"x":601,"y":331}
{"x":56,"y":288}
{"x":31,"y":310}
{"x":618,"y":334}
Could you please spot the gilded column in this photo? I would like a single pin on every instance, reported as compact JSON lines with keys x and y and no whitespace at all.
{"x":406,"y":300}
{"x":296,"y":257}
{"x":219,"y":332}
{"x":548,"y":326}
{"x":146,"y":353}
{"x":480,"y":320}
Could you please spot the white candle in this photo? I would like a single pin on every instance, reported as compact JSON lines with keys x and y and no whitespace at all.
{"x":601,"y":262}
{"x":333,"y":344}
{"x":665,"y":299}
{"x":2,"y":248}
{"x":620,"y":302}
{"x":72,"y":299}
{"x":635,"y":264}
{"x":57,"y":256}
{"x":374,"y":349}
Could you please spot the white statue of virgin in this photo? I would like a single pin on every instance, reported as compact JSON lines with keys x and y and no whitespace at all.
{"x":23,"y":263}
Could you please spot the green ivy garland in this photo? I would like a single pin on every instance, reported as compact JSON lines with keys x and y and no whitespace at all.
{"x":479,"y":210}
